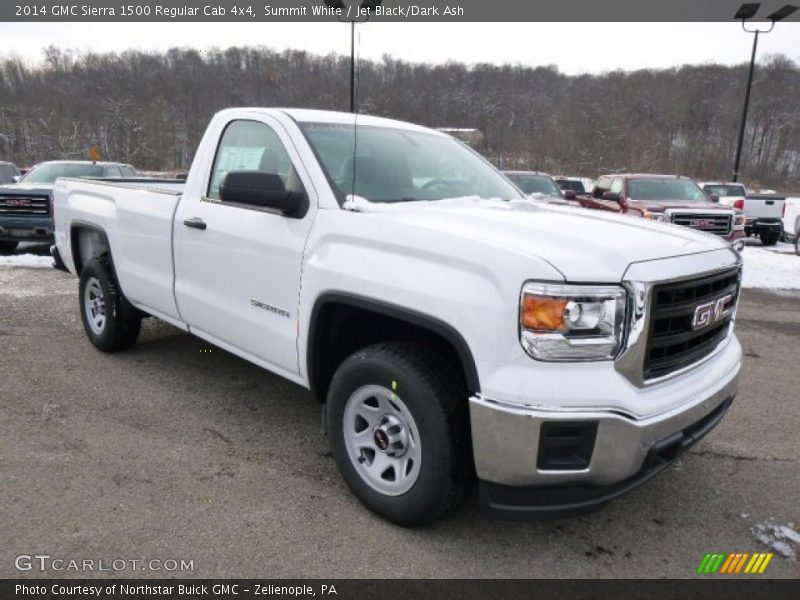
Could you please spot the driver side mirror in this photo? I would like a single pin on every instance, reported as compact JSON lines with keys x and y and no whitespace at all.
{"x":714,"y":197}
{"x":262,"y":190}
{"x":569,"y":194}
{"x":612,"y":196}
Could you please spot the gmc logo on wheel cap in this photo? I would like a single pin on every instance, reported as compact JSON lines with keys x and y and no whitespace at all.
{"x":709,"y":313}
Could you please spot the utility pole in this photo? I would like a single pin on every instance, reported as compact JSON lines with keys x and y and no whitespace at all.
{"x":748,"y":11}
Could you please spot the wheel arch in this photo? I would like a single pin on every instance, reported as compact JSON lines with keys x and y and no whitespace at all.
{"x":87,"y":241}
{"x":334,"y":311}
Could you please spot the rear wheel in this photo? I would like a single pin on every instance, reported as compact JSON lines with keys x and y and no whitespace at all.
{"x":770,"y":238}
{"x":8,"y":247}
{"x":797,"y":243}
{"x":398,"y":430}
{"x":110,"y":321}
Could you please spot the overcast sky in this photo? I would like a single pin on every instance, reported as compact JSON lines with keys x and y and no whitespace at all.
{"x":572,"y":47}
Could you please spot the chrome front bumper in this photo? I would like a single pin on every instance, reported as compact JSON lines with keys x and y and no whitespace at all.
{"x":505,"y":439}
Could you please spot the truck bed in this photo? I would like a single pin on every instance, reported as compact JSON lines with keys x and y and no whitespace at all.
{"x":136,"y":215}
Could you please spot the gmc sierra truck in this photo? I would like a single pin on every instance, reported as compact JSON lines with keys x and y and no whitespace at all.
{"x":668,"y":199}
{"x":450,"y":326}
{"x":763,"y":212}
{"x":25,"y":207}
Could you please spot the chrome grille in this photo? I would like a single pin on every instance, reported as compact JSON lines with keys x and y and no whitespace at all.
{"x":25,"y":205}
{"x":717,"y":223}
{"x":674,"y":341}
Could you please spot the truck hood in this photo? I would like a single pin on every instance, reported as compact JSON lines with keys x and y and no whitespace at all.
{"x":26,"y":188}
{"x":582,"y":245}
{"x":662,"y":205}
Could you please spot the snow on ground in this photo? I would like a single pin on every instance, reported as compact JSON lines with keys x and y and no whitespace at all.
{"x":30,"y":261}
{"x":775,"y":267}
{"x":782,"y":539}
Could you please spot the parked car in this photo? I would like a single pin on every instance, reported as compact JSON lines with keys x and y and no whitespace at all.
{"x":25,"y":207}
{"x":449,"y":325}
{"x":667,"y":199}
{"x":763,"y":211}
{"x":579,"y":185}
{"x":539,"y":186}
{"x":8,"y":172}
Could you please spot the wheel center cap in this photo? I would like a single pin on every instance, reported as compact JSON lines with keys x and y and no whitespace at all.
{"x":381,"y":439}
{"x":390,"y":436}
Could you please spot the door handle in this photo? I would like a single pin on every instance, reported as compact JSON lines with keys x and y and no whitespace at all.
{"x":195,"y":223}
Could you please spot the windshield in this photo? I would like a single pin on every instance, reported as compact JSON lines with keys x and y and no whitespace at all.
{"x":383,"y":164}
{"x":48,"y":173}
{"x":535,"y":184}
{"x":725,"y":191}
{"x":666,"y":189}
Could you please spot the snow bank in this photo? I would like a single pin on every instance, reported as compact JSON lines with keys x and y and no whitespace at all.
{"x":28,"y":261}
{"x":771,"y":268}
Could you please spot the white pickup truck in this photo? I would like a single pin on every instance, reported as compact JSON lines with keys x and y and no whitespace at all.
{"x":762,"y":212}
{"x":450,"y":326}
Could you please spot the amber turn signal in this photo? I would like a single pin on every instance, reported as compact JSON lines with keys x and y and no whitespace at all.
{"x":541,"y":313}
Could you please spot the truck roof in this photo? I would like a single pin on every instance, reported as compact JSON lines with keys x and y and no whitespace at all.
{"x":304,"y":115}
{"x":80,"y":162}
{"x":647,"y":175}
{"x":526,"y":173}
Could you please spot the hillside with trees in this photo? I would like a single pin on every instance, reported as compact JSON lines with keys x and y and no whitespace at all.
{"x":150,"y":109}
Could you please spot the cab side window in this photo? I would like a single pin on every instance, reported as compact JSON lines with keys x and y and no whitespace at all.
{"x":252,"y":146}
{"x":616,"y":186}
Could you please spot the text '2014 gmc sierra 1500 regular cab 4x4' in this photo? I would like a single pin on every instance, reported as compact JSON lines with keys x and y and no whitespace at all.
{"x":450,"y":325}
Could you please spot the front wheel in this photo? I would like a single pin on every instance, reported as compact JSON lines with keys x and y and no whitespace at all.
{"x":110,"y":321}
{"x":399,"y":433}
{"x":797,"y":243}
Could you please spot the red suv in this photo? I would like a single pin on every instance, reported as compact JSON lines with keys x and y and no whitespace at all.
{"x":669,"y":199}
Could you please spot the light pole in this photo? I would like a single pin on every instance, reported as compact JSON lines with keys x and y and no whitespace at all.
{"x":745,"y":12}
{"x":367,"y":5}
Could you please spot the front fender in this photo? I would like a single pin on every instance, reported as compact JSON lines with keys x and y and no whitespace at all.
{"x":444,"y":277}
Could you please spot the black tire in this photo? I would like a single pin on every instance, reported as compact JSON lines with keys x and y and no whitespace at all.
{"x":122,"y":322}
{"x":436,"y":397}
{"x":770,"y":238}
{"x":8,"y":247}
{"x":797,"y":243}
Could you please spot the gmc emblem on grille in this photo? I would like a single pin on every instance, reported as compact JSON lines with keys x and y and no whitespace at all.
{"x":18,"y":202}
{"x":701,"y":223}
{"x":709,"y":313}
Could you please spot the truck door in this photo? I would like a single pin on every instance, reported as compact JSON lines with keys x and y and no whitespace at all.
{"x":237,"y":267}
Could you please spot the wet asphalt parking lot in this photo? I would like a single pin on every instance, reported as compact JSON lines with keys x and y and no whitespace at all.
{"x":178,"y":450}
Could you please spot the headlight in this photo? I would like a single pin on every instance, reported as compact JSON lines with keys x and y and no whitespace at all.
{"x":571,"y":322}
{"x":660,"y":217}
{"x":738,"y":221}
